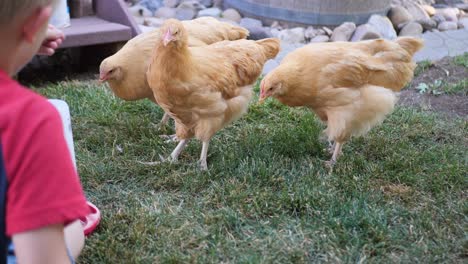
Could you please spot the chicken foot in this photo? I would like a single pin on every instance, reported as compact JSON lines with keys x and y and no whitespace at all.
{"x":170,"y":138}
{"x":176,"y":152}
{"x":336,"y":154}
{"x":204,"y":153}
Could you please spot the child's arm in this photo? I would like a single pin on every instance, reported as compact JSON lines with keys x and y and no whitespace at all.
{"x":45,"y":245}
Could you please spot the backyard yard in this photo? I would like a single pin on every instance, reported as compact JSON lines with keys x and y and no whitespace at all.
{"x":398,"y":195}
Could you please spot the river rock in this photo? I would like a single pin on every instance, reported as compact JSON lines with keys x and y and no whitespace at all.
{"x":383,"y":25}
{"x":212,"y":12}
{"x":450,"y":14}
{"x":411,"y":29}
{"x":232,"y":14}
{"x":165,"y":12}
{"x":463,"y":23}
{"x":399,"y":15}
{"x":310,"y":33}
{"x":293,"y":35}
{"x":248,"y":22}
{"x":320,"y":38}
{"x":430,"y":10}
{"x":171,"y":3}
{"x":207,"y":3}
{"x":343,"y":32}
{"x":364,"y":32}
{"x":447,"y":25}
{"x":427,"y":23}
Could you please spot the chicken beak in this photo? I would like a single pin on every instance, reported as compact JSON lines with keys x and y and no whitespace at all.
{"x":103,"y":77}
{"x":167,"y":37}
{"x":262,"y":98}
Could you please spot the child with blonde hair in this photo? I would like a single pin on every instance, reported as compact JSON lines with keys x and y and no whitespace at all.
{"x":41,"y":199}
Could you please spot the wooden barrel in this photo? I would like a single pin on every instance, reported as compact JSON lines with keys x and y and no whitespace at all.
{"x":311,"y":12}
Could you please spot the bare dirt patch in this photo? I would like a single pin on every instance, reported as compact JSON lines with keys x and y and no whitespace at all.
{"x":445,"y":71}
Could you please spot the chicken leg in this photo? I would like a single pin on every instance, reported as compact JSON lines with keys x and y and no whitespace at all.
{"x":176,"y":152}
{"x":204,"y":153}
{"x":336,"y":153}
{"x":162,"y":126}
{"x":164,"y":120}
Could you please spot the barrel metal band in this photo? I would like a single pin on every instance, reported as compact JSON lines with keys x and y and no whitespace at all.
{"x":300,"y":16}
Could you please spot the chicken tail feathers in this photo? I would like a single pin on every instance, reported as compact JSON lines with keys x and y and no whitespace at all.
{"x":356,"y":119}
{"x":271,"y":47}
{"x":236,"y":32}
{"x":410,"y":44}
{"x":238,"y":105}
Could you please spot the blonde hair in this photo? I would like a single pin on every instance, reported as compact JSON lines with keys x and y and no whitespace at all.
{"x":9,"y":9}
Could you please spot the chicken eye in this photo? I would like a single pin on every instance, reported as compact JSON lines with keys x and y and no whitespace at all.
{"x":111,"y":71}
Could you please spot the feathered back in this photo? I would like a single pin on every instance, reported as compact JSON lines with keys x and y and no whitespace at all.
{"x":134,"y":57}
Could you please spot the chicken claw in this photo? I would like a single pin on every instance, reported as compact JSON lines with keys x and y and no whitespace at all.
{"x":336,"y":153}
{"x":170,"y":138}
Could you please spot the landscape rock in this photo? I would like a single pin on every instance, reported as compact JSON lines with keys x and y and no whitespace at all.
{"x":450,"y":14}
{"x":399,"y":15}
{"x":232,"y":14}
{"x":185,"y":13}
{"x":191,"y":4}
{"x":153,"y":22}
{"x":151,"y":5}
{"x":248,"y":22}
{"x":427,"y":23}
{"x":365,"y":31}
{"x":310,"y":33}
{"x":328,"y":31}
{"x":171,"y":3}
{"x":165,"y":12}
{"x":462,"y":6}
{"x":320,"y":31}
{"x":411,"y":29}
{"x":293,"y":35}
{"x":343,"y":32}
{"x":257,"y":33}
{"x":218,"y":3}
{"x":207,"y":3}
{"x":438,"y":18}
{"x":383,"y":25}
{"x":211,"y":12}
{"x":463,"y":23}
{"x":140,"y":11}
{"x":416,"y":11}
{"x":320,"y":38}
{"x":447,"y":25}
{"x":275,"y":32}
{"x":430,"y":10}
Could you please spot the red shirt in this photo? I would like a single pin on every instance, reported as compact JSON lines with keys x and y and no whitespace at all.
{"x":43,"y":186}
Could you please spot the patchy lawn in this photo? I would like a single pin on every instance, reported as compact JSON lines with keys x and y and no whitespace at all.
{"x":440,"y":86}
{"x":397,"y":195}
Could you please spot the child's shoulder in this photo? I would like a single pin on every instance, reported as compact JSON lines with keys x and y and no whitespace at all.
{"x":19,"y":104}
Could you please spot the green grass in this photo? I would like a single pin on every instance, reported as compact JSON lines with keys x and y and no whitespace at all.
{"x":461,"y":60}
{"x":397,"y":195}
{"x":422,"y":66}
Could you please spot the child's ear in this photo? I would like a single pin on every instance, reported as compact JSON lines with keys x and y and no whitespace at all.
{"x":35,"y":22}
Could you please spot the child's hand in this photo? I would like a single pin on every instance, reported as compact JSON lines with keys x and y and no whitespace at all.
{"x":54,"y":38}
